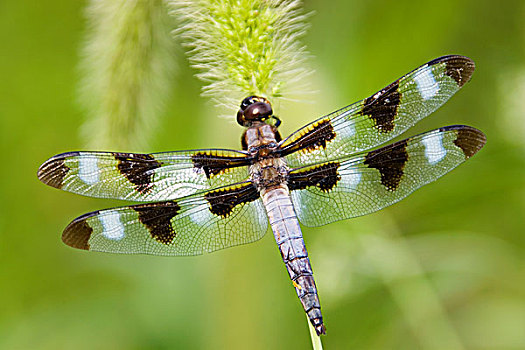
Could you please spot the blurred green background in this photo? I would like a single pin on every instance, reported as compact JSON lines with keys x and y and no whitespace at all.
{"x":443,"y":269}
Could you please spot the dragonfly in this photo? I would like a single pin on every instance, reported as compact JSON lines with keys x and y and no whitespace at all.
{"x":204,"y":200}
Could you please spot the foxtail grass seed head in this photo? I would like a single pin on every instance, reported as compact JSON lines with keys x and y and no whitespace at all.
{"x":245,"y":47}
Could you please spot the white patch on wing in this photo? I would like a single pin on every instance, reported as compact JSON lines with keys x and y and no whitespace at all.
{"x":426,"y":84}
{"x":200,"y":214}
{"x":434,"y":150}
{"x":350,"y":179}
{"x":172,"y":183}
{"x":345,"y":129}
{"x":88,"y":170}
{"x":113,"y":228}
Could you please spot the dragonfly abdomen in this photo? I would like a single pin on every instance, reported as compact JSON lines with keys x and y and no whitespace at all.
{"x":289,"y":238}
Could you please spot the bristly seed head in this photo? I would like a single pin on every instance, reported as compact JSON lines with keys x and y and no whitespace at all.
{"x":245,"y":47}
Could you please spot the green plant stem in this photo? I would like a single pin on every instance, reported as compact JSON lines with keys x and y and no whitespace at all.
{"x":316,"y":340}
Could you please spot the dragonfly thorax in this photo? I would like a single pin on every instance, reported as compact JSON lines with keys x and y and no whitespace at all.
{"x":270,"y":170}
{"x":261,"y":140}
{"x":269,"y":173}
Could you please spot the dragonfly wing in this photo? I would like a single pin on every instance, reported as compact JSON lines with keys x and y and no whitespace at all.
{"x":368,"y":182}
{"x":380,"y":117}
{"x":144,"y":177}
{"x":193,"y":225}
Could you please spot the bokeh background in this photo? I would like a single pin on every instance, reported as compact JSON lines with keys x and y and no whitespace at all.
{"x":443,"y":269}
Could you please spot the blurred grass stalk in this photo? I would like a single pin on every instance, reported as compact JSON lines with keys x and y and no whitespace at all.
{"x":127,"y":65}
{"x":387,"y":252}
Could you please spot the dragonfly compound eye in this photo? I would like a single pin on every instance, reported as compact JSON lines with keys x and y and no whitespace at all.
{"x":248,"y":101}
{"x":254,"y":109}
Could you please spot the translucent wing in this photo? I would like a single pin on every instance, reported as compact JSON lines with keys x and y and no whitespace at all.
{"x":380,"y":117}
{"x":193,"y":225}
{"x":368,"y":182}
{"x":144,"y":177}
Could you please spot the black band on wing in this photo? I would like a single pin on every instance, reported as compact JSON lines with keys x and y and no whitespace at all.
{"x":137,"y":168}
{"x":390,"y":161}
{"x":324,"y":176}
{"x":382,"y":107}
{"x":224,"y":200}
{"x":213,"y":164}
{"x":318,"y":135}
{"x":157,"y":219}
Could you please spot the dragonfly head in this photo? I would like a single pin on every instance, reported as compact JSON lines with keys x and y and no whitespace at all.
{"x":255,"y":109}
